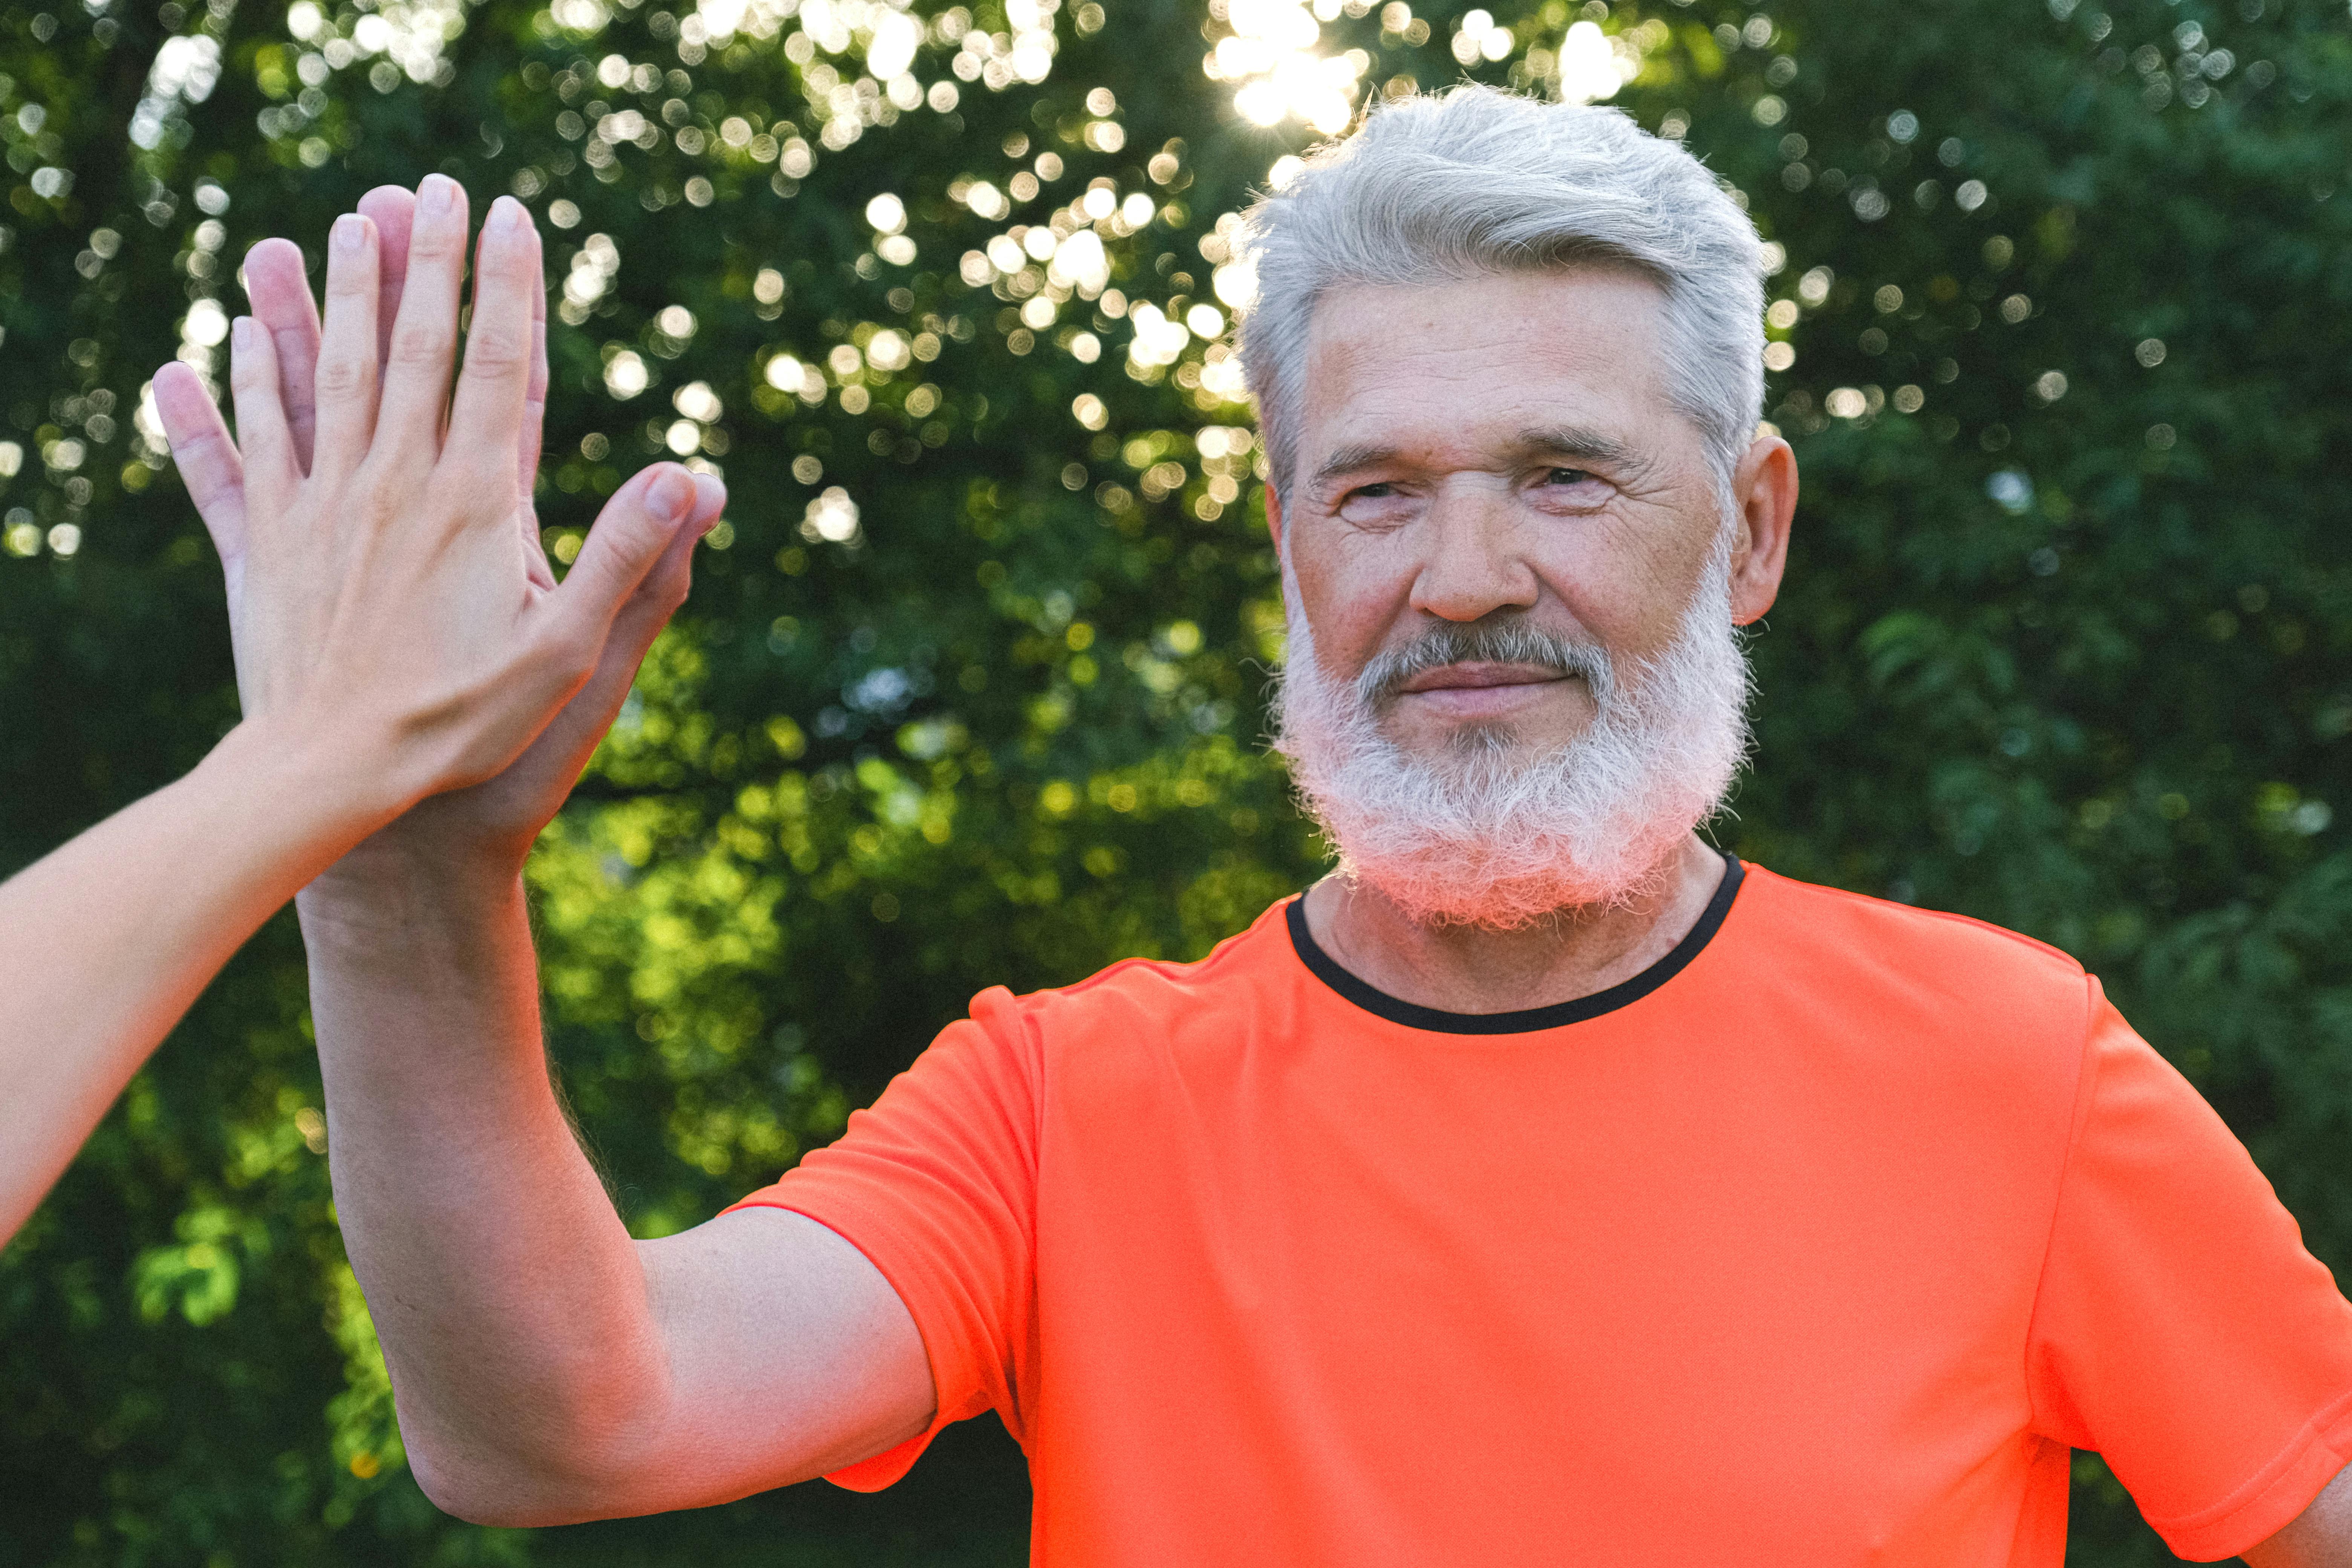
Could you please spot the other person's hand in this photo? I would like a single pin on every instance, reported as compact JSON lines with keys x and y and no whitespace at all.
{"x":397,"y":633}
{"x":377,"y":476}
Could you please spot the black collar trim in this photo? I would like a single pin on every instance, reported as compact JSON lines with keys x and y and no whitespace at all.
{"x":1413,"y":1016}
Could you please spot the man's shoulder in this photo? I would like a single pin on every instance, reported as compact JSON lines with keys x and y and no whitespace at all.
{"x":1821,"y":929}
{"x":1934,"y":932}
{"x":1157,"y":987}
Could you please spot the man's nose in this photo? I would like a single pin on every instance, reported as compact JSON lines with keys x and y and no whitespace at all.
{"x":1472,"y":562}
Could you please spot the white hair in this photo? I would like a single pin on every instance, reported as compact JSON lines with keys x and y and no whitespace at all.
{"x":1476,"y":837}
{"x":1473,"y":180}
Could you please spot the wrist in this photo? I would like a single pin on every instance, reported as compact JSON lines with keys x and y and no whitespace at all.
{"x":400,"y":859}
{"x":395,"y":893}
{"x":426,"y":857}
{"x":312,"y":786}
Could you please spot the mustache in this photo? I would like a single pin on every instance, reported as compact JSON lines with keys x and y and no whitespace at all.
{"x":1511,"y":642}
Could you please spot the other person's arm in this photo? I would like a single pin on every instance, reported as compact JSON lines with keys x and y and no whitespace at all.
{"x":111,"y":936}
{"x":546,"y":1366}
{"x":416,"y":671}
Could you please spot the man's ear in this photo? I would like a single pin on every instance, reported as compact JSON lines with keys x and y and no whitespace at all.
{"x":1274,"y":526}
{"x":1765,"y":491}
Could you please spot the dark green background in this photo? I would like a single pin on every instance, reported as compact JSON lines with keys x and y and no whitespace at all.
{"x":2077,"y":666}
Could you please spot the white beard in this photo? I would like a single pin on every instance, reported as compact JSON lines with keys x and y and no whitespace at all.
{"x":1475,"y":838}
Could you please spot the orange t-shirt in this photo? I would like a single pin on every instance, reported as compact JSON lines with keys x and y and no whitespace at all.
{"x":1821,"y":1242}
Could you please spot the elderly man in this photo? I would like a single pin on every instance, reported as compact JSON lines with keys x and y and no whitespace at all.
{"x":1544,"y":1186}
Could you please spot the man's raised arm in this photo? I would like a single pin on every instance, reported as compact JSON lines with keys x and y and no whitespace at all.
{"x":546,"y":1366}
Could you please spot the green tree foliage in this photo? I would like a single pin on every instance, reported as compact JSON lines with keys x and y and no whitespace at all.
{"x":969,"y":689}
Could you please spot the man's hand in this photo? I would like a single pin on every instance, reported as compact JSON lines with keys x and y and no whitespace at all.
{"x":406,"y":336}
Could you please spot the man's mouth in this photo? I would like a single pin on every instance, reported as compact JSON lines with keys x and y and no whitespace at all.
{"x":1478,"y":688}
{"x":1478,"y":673}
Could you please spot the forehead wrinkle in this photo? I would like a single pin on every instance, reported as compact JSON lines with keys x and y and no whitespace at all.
{"x":1570,"y":350}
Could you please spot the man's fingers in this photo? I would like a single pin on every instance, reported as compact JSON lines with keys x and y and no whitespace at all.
{"x":392,"y":210}
{"x":489,"y":408}
{"x":208,"y":459}
{"x":264,"y":438}
{"x":347,"y":362}
{"x":279,"y":289}
{"x":424,"y":344}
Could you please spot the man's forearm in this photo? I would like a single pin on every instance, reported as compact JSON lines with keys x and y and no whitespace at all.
{"x":505,"y":1289}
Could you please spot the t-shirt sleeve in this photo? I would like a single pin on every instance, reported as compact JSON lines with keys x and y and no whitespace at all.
{"x":2182,"y":1330}
{"x":936,"y":1184}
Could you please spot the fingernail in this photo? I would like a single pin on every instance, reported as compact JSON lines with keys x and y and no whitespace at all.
{"x":240,"y":335}
{"x":440,"y":194}
{"x":507,"y":216}
{"x":349,"y":232}
{"x":670,"y":495}
{"x":709,"y":495}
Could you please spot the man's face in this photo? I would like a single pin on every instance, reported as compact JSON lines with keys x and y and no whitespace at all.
{"x":1493,"y":453}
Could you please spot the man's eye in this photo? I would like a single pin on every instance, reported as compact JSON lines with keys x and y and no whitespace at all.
{"x":1566,"y":476}
{"x":1374,"y":492}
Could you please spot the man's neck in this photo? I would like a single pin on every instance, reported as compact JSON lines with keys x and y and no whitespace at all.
{"x":1471,"y":969}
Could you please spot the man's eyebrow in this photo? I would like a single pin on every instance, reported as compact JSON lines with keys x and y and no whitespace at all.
{"x":1584,"y":445}
{"x":1560,"y":441}
{"x":1348,"y":460}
